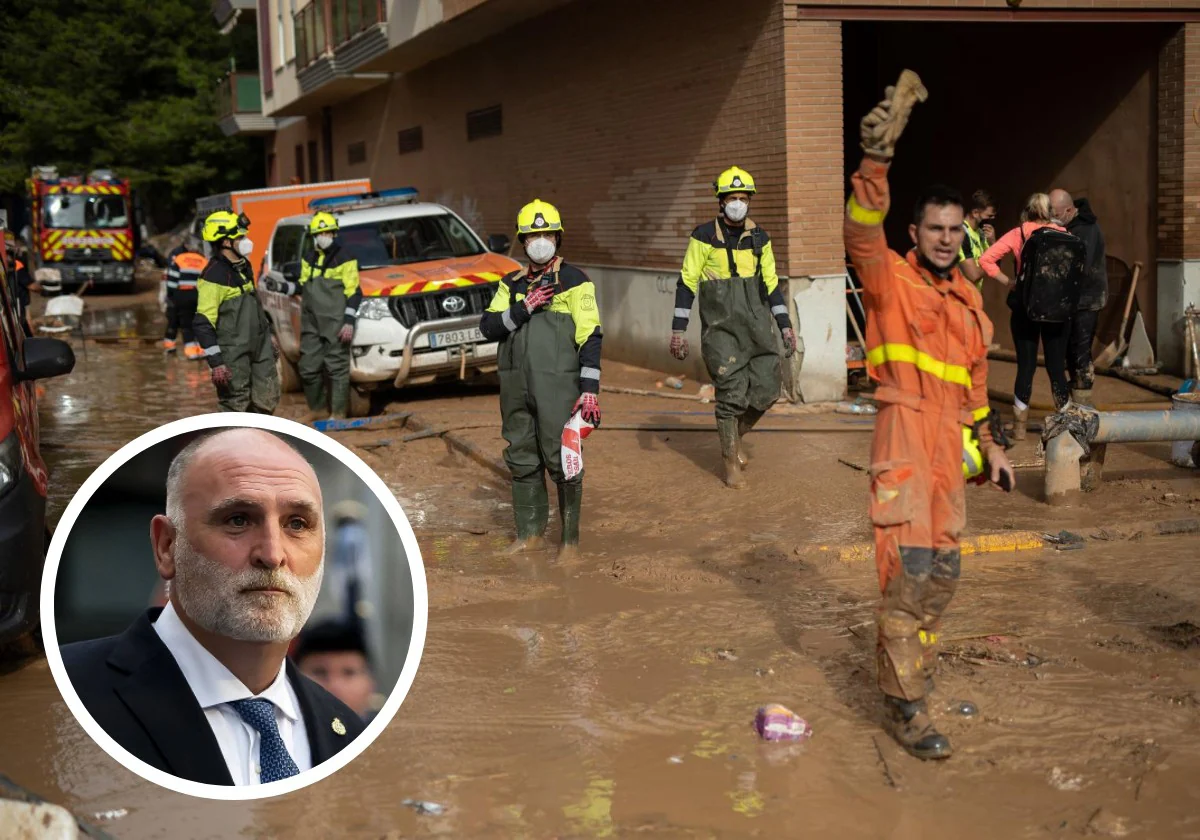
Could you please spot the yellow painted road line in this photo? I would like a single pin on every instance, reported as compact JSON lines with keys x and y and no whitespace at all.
{"x":981,"y":544}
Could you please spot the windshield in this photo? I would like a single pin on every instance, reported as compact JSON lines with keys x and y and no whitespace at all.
{"x":84,"y":212}
{"x":403,"y":241}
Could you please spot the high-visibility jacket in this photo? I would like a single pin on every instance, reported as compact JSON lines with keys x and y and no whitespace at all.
{"x":323,"y":272}
{"x":184,"y":268}
{"x":229,"y":316}
{"x":927,"y":336}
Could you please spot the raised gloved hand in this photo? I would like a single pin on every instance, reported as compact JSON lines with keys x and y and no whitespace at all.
{"x":789,"y":342}
{"x":346,"y":333}
{"x":880,"y":129}
{"x":679,"y":346}
{"x":538,"y":298}
{"x":588,"y":406}
{"x":222,"y":376}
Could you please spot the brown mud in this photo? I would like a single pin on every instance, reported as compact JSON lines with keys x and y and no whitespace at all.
{"x":615,"y":696}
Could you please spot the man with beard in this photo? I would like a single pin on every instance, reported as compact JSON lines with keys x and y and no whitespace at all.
{"x":202,"y":688}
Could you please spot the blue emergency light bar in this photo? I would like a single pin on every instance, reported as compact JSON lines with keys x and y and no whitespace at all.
{"x":369,"y":199}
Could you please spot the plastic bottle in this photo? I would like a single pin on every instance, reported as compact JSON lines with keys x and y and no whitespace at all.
{"x":855,"y":408}
{"x":674,"y":382}
{"x":779,"y":723}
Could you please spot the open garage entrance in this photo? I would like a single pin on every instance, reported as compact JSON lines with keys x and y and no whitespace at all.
{"x":1022,"y":107}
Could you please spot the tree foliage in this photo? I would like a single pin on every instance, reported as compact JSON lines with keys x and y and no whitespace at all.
{"x":127,"y":85}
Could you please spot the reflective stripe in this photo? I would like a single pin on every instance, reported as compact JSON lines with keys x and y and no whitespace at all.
{"x":927,"y":638}
{"x":507,"y":319}
{"x":172,"y":284}
{"x":212,"y":351}
{"x":862,"y":215}
{"x":589,"y":373}
{"x":981,"y":413}
{"x":779,"y":310}
{"x":187,"y":287}
{"x":351,"y":310}
{"x":172,"y":272}
{"x":683,"y":313}
{"x":956,"y":374}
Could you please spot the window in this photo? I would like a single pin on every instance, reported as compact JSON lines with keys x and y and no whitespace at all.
{"x":411,"y":140}
{"x":281,"y":34}
{"x":285,"y":247}
{"x":299,"y":162}
{"x":402,"y":241}
{"x":82,"y":211}
{"x":485,"y":122}
{"x":356,"y":152}
{"x":313,"y":175}
{"x":264,"y":44}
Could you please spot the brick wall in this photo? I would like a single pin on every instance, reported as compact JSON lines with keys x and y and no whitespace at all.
{"x":815,"y":176}
{"x":1179,"y":145}
{"x":624,"y":127}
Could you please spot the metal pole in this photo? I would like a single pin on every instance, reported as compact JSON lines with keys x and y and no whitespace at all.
{"x":1140,"y":426}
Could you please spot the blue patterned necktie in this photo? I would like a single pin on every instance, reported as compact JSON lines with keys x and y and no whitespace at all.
{"x":274,"y":760}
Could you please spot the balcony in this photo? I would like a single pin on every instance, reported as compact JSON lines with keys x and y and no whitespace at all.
{"x":239,"y":105}
{"x":336,"y":37}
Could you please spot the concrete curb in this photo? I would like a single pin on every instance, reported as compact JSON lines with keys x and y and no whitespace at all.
{"x":981,"y":544}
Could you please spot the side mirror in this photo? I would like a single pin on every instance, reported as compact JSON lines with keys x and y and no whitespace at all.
{"x":290,"y":270}
{"x":498,"y":243}
{"x":46,"y":358}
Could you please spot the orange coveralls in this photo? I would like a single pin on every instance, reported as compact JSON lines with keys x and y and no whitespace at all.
{"x":927,"y":341}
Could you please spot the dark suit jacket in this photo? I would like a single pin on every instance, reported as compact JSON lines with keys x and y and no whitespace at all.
{"x":134,"y":689}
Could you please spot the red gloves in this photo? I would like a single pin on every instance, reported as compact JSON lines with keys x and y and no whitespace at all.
{"x":346,"y":333}
{"x":538,"y":298}
{"x":588,"y":407}
{"x":789,"y":341}
{"x":221,"y":376}
{"x":679,"y":346}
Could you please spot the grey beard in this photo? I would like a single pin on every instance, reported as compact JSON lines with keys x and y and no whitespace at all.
{"x":213,"y":597}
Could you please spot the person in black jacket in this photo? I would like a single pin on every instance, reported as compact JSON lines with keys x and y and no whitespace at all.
{"x":1079,"y":220}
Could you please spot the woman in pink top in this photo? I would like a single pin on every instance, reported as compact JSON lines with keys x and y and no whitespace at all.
{"x":1026,"y":333}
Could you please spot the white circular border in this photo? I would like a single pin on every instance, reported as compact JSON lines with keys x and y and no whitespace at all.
{"x":415,"y":564}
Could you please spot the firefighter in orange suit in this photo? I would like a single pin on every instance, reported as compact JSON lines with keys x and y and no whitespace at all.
{"x":927,"y":342}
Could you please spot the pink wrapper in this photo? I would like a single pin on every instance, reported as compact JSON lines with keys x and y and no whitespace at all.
{"x":778,"y":723}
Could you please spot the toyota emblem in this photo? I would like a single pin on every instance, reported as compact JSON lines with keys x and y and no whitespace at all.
{"x":454,"y":304}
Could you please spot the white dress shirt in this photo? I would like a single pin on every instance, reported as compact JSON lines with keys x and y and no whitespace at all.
{"x":216,"y":687}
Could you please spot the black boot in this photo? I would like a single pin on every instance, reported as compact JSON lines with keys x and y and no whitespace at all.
{"x":908,"y":722}
{"x":745,"y":423}
{"x":727,"y":430}
{"x":531,"y":511}
{"x":570,"y":500}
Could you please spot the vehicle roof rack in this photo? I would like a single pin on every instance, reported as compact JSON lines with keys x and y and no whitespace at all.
{"x":378,"y":198}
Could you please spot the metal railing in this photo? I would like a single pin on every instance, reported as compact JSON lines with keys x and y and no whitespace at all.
{"x":239,"y":93}
{"x":324,"y":25}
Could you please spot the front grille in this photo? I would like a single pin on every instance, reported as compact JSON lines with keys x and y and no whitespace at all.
{"x":87,"y":254}
{"x":411,"y":310}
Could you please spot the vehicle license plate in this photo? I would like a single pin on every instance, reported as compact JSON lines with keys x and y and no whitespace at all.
{"x":454,"y":337}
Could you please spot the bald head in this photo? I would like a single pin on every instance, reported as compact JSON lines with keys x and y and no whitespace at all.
{"x":1062,"y":206}
{"x":226,"y":448}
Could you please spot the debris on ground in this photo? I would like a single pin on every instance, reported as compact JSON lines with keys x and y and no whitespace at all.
{"x":727,"y":655}
{"x":1183,"y":635}
{"x":964,"y":708}
{"x":1106,"y":824}
{"x":114,"y":814}
{"x":779,"y":723}
{"x":1064,"y":540}
{"x":676,"y":759}
{"x":855,"y":408}
{"x":852,"y":465}
{"x":1061,"y":780}
{"x":424,"y":807}
{"x":707,"y":393}
{"x":36,"y":820}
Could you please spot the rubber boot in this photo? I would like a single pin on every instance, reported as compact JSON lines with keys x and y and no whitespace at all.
{"x":313,"y":416}
{"x":745,"y":423}
{"x":1020,"y":418}
{"x":531,"y":512}
{"x":339,"y":400}
{"x":168,"y":345}
{"x":908,"y":722}
{"x":570,"y":500}
{"x":1081,"y":396}
{"x":727,"y":430}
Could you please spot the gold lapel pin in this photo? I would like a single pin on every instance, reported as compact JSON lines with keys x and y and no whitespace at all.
{"x":339,"y":727}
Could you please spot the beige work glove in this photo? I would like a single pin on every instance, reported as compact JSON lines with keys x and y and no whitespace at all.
{"x":880,"y":129}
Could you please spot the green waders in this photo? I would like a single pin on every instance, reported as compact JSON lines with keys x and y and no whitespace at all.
{"x":244,"y":335}
{"x":322,"y":315}
{"x":737,"y":341}
{"x":539,"y":385}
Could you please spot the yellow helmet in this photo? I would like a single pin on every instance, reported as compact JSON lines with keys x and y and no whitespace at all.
{"x":224,"y":224}
{"x":732,"y":180}
{"x":322,"y":223}
{"x":972,"y":456}
{"x":539,"y":217}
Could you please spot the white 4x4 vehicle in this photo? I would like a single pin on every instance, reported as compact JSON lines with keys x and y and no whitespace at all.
{"x":426,"y":280}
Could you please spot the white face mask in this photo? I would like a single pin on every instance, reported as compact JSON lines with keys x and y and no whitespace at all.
{"x":540,"y":251}
{"x":245,"y":246}
{"x":735,"y":211}
{"x":324,"y":240}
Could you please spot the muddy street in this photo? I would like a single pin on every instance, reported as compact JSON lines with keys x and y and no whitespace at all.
{"x":615,"y":696}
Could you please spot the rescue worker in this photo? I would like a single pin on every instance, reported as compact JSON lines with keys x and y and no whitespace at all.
{"x":330,"y":296}
{"x":731,"y":264}
{"x":230,"y":323}
{"x":184,"y":265}
{"x":547,"y":321}
{"x":21,"y":281}
{"x":927,"y":342}
{"x":979,"y":235}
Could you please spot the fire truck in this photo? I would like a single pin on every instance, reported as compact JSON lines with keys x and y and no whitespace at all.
{"x":83,"y":227}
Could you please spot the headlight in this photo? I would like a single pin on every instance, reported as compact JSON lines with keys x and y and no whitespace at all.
{"x":374,"y":309}
{"x":10,"y":462}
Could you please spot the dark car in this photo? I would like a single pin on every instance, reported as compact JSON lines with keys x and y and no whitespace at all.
{"x":23,"y":478}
